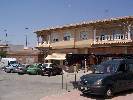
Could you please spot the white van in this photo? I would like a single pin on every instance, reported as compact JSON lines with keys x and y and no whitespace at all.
{"x":7,"y":61}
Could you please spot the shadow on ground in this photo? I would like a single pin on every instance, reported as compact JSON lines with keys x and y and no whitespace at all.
{"x":124,"y":93}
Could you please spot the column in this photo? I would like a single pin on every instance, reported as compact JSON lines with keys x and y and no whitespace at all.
{"x":37,"y":40}
{"x":94,"y":36}
{"x":129,"y":32}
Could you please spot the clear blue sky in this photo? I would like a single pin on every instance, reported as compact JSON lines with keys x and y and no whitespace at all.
{"x":16,"y":15}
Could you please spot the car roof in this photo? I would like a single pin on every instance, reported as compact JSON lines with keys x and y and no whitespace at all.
{"x":48,"y":63}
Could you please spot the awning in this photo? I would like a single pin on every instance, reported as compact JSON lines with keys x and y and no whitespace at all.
{"x":56,"y":56}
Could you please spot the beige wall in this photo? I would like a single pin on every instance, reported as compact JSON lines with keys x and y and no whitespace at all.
{"x":75,"y":33}
{"x":78,"y":45}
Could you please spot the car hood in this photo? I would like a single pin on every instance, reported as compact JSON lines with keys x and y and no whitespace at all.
{"x":31,"y":68}
{"x":91,"y":78}
{"x":15,"y":65}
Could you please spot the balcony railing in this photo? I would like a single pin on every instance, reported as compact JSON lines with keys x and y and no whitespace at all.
{"x":112,"y":38}
{"x":44,"y":44}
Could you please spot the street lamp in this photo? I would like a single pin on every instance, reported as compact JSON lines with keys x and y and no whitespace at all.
{"x":5,"y":30}
{"x":26,"y":40}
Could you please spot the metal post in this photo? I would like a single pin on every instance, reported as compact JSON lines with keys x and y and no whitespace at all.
{"x":75,"y":81}
{"x":66,"y":82}
{"x":62,"y":79}
{"x":85,"y":66}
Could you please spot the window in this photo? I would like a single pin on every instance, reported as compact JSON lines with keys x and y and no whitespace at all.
{"x":117,"y":34}
{"x":83,"y":36}
{"x":131,"y":32}
{"x":67,"y":37}
{"x":55,"y":38}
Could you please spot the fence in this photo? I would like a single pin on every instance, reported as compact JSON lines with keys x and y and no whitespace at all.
{"x":70,"y":80}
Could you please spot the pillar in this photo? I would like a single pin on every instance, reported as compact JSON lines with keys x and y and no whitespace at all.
{"x":94,"y":36}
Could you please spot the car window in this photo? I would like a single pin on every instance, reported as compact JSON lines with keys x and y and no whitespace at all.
{"x":51,"y":65}
{"x":121,"y":67}
{"x":130,"y":66}
{"x":107,"y":66}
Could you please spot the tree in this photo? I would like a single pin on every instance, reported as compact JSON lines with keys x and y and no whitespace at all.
{"x":3,"y":53}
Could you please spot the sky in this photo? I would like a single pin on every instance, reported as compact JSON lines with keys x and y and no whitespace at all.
{"x":19,"y":18}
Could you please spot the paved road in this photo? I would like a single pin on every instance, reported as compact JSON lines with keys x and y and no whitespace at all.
{"x":36,"y":87}
{"x":28,"y":87}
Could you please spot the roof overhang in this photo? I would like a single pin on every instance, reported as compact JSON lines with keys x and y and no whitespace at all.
{"x":56,"y":56}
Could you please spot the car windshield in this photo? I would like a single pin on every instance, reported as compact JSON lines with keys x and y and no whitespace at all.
{"x":32,"y":66}
{"x":107,"y":67}
{"x":48,"y":65}
{"x":13,"y":62}
{"x":45,"y":65}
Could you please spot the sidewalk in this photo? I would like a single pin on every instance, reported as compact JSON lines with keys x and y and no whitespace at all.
{"x":74,"y":95}
{"x":77,"y":95}
{"x":68,"y":78}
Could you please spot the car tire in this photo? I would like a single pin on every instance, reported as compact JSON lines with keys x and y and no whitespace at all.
{"x":37,"y":72}
{"x":108,"y":92}
{"x":20,"y":74}
{"x":50,"y":74}
{"x":42,"y":74}
{"x":11,"y":70}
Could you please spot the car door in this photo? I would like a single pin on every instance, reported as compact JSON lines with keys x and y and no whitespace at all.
{"x":129,"y":65}
{"x":121,"y":80}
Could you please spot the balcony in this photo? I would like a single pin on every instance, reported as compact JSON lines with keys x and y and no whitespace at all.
{"x":63,"y":44}
{"x":117,"y":38}
{"x":44,"y":45}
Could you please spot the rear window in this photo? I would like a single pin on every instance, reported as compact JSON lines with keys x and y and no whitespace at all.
{"x":13,"y":62}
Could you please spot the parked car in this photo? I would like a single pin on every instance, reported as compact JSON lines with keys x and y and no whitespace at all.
{"x":50,"y":69}
{"x":34,"y":69}
{"x":7,"y":61}
{"x":22,"y":69}
{"x":108,"y":78}
{"x":12,"y":68}
{"x":3,"y":68}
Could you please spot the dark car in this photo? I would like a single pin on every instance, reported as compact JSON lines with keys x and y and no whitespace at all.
{"x":108,"y":78}
{"x":22,"y":69}
{"x":51,"y":69}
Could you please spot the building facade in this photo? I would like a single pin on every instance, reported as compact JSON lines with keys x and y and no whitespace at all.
{"x":24,"y":56}
{"x":109,"y":36}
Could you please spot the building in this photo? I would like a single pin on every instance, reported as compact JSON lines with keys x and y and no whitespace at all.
{"x":3,"y":50}
{"x":13,"y":47}
{"x":24,"y":56}
{"x":3,"y":47}
{"x":112,"y":36}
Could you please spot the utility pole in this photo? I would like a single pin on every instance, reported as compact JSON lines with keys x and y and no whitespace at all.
{"x":5,"y":37}
{"x":26,"y":40}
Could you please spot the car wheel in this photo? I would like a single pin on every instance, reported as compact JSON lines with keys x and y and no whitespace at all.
{"x":20,"y":74}
{"x":50,"y":74}
{"x":11,"y":70}
{"x":37,"y":72}
{"x":108,"y":92}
